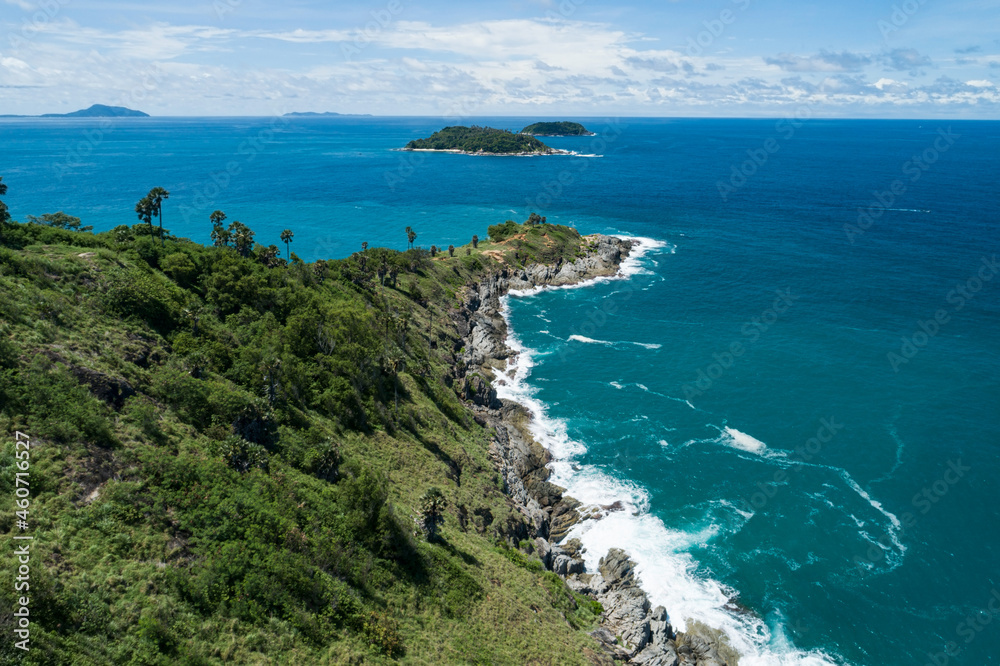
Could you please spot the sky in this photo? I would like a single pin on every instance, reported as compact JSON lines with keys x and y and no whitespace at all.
{"x":665,"y":58}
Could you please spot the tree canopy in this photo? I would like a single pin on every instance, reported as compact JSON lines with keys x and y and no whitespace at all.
{"x":477,"y":139}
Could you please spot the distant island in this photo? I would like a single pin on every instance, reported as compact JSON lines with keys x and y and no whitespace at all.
{"x":557,"y":129}
{"x":325,"y":114}
{"x":482,"y":141}
{"x":95,"y":111}
{"x":100,"y":111}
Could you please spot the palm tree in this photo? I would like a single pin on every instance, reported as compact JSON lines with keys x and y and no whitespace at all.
{"x":432,"y":506}
{"x":475,"y":241}
{"x":4,"y":213}
{"x":434,"y":250}
{"x":411,"y":235}
{"x":220,"y":237}
{"x":242,"y":238}
{"x":156,"y":197}
{"x":451,"y":250}
{"x":383,"y":268}
{"x":144,"y":209}
{"x":286,"y":236}
{"x":364,"y":246}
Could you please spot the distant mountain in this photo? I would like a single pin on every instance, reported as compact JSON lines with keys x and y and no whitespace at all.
{"x":100,"y":111}
{"x":325,"y":114}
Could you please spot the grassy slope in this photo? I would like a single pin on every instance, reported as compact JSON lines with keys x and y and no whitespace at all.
{"x":149,"y":548}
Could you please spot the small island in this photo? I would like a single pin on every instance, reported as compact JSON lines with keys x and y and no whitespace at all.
{"x":562,"y":128}
{"x":482,"y":141}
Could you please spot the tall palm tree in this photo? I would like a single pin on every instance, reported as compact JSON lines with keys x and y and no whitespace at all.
{"x":144,"y":209}
{"x":156,"y":197}
{"x":242,"y":238}
{"x":475,"y":241}
{"x":4,"y":213}
{"x":220,"y":237}
{"x":286,"y":236}
{"x":364,"y":246}
{"x":411,"y":235}
{"x":451,"y":250}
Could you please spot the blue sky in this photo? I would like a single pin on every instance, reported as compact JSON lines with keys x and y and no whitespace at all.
{"x":850,"y":58}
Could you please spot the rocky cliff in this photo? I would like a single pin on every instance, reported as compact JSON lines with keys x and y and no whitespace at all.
{"x":631,"y":631}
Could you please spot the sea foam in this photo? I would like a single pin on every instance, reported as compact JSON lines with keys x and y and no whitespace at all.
{"x":667,"y":571}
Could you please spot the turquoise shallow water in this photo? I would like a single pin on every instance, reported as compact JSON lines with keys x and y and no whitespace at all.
{"x":738,"y":391}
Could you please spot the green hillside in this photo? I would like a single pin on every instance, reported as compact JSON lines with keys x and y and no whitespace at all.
{"x":230,"y":453}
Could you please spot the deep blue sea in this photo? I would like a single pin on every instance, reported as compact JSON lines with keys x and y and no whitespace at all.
{"x":795,"y":392}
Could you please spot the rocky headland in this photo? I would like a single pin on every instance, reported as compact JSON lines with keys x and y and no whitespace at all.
{"x":631,"y":631}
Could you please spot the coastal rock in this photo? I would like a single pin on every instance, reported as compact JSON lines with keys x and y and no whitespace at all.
{"x":478,"y":391}
{"x":631,"y":631}
{"x":564,"y":517}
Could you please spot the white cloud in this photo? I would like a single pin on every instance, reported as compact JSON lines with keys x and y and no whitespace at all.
{"x":505,"y":66}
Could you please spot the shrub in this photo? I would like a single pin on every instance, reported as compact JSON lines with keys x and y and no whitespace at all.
{"x":130,"y":292}
{"x":501,"y":232}
{"x":180,"y":268}
{"x":242,"y":455}
{"x":383,"y":633}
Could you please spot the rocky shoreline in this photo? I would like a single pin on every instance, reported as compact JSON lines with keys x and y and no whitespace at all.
{"x":483,"y":153}
{"x":631,"y":631}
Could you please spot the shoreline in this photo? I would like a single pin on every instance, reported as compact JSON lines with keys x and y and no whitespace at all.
{"x":631,"y":631}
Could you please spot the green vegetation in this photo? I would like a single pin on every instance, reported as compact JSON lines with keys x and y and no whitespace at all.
{"x":562,"y":128}
{"x":480,"y":140}
{"x":231,"y":455}
{"x":59,"y":220}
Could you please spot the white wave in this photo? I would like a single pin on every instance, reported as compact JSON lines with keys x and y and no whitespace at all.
{"x":745,"y":442}
{"x":895,"y":529}
{"x":631,"y":265}
{"x":609,"y":343}
{"x":667,"y":571}
{"x":580,"y":338}
{"x":617,"y":385}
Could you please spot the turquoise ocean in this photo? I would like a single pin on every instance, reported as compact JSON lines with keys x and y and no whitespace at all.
{"x":794,"y":389}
